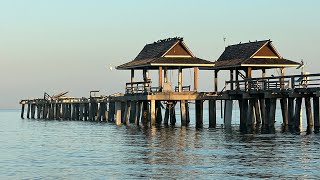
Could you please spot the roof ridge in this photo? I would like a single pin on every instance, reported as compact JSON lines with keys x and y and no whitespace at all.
{"x":168,"y":39}
{"x":256,"y":41}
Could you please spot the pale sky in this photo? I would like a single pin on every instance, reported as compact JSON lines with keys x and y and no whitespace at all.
{"x":67,"y":45}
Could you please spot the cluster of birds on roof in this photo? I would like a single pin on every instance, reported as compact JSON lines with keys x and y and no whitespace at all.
{"x":253,"y":41}
{"x":168,"y":39}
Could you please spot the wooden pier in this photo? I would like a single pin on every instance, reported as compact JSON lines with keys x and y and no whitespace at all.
{"x":147,"y":105}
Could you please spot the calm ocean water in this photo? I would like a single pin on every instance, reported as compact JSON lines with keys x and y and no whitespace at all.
{"x":39,"y":149}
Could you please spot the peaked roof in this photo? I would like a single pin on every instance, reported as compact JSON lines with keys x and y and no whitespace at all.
{"x":258,"y":54}
{"x":159,"y":54}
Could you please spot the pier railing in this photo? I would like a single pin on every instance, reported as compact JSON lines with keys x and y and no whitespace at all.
{"x":292,"y":82}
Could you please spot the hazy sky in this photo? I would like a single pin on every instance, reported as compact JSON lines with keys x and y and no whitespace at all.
{"x":67,"y":45}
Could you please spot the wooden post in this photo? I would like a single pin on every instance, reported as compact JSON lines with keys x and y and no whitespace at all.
{"x":237,"y":79}
{"x":22,"y":111}
{"x":158,"y":112}
{"x":138,"y":112}
{"x":132,"y":111}
{"x":145,"y":113}
{"x":249,"y":75}
{"x":73,"y":111}
{"x":212,"y":114}
{"x":291,"y":112}
{"x":160,"y":78}
{"x":195,"y":78}
{"x":216,"y":81}
{"x":187,"y":111}
{"x":257,"y":111}
{"x":132,"y":80}
{"x":308,"y":112}
{"x":111,"y":111}
{"x":268,"y":112}
{"x":263,"y":110}
{"x":199,"y":114}
{"x":250,"y":119}
{"x":231,"y":79}
{"x":153,"y":112}
{"x":127,"y":113}
{"x":118,"y":112}
{"x":167,"y":114}
{"x":28,"y":110}
{"x":180,"y":79}
{"x":316,"y":114}
{"x":165,"y":74}
{"x":227,"y":113}
{"x":273,"y":111}
{"x":38,"y":111}
{"x":173,"y":114}
{"x":33,"y":110}
{"x":284,"y":110}
{"x":297,"y":113}
{"x":81,"y":114}
{"x":183,"y":113}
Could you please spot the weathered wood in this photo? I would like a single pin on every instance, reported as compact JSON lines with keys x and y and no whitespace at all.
{"x":28,"y":110}
{"x":308,"y":112}
{"x":138,"y":112}
{"x":127,"y":113}
{"x":81,"y":111}
{"x":250,"y":119}
{"x":153,"y":112}
{"x":133,"y":110}
{"x":22,"y":111}
{"x":291,"y":112}
{"x":262,"y":110}
{"x":195,"y":78}
{"x":33,"y":110}
{"x":183,"y":113}
{"x":284,"y":110}
{"x":187,"y":111}
{"x":231,"y":79}
{"x":160,"y":77}
{"x":273,"y":111}
{"x":145,"y":113}
{"x":297,"y":113}
{"x":180,"y":79}
{"x":216,"y":81}
{"x":199,"y":113}
{"x":212,"y":114}
{"x":118,"y":112}
{"x":257,"y":111}
{"x":167,"y":114}
{"x":316,"y":114}
{"x":227,"y":113}
{"x":173,"y":114}
{"x":111,"y":111}
{"x":243,"y":104}
{"x":57,"y":112}
{"x":158,"y":112}
{"x":38,"y":111}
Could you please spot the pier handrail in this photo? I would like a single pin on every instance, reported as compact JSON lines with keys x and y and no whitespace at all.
{"x":289,"y":82}
{"x":138,"y":87}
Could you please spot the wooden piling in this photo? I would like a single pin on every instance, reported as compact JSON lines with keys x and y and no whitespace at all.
{"x":212,"y":114}
{"x":173,"y":114}
{"x":297,"y":114}
{"x":133,"y":110}
{"x":138,"y":112}
{"x":262,"y":110}
{"x":126,"y":113}
{"x":316,"y":114}
{"x":22,"y":111}
{"x":158,"y":112}
{"x":118,"y":112}
{"x":199,"y":113}
{"x":284,"y":110}
{"x":33,"y":111}
{"x":187,"y":112}
{"x":308,"y":112}
{"x":183,"y":113}
{"x":291,"y":112}
{"x":227,"y":113}
{"x":251,"y":116}
{"x":257,"y":111}
{"x":111,"y":111}
{"x":38,"y":111}
{"x":167,"y":114}
{"x":153,"y":112}
{"x":28,"y":110}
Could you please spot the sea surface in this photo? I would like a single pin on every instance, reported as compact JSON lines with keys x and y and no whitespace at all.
{"x":51,"y":149}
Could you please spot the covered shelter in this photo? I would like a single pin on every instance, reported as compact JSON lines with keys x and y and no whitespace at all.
{"x":257,"y":55}
{"x":162,"y":55}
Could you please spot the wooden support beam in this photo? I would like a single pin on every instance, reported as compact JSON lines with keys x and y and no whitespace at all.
{"x":237,"y":79}
{"x":138,"y":112}
{"x":291,"y":112}
{"x":127,"y":113}
{"x":133,"y":107}
{"x":268,"y":112}
{"x":160,"y":77}
{"x":187,"y":112}
{"x":257,"y":111}
{"x":297,"y":114}
{"x":316,"y":114}
{"x":167,"y":114}
{"x":38,"y":111}
{"x":153,"y":112}
{"x":158,"y":112}
{"x":262,"y":110}
{"x":250,"y":119}
{"x":216,"y":81}
{"x":231,"y":79}
{"x":173,"y":114}
{"x":118,"y":112}
{"x":212,"y":114}
{"x":199,"y":114}
{"x":180,"y":79}
{"x":111,"y":112}
{"x":22,"y":111}
{"x":284,"y":110}
{"x":165,"y":74}
{"x":28,"y":110}
{"x":243,"y":104}
{"x":195,"y":78}
{"x":308,"y":112}
{"x":282,"y":79}
{"x":81,"y":111}
{"x":145,"y":113}
{"x":227,"y":113}
{"x":183,"y":113}
{"x":273,"y":111}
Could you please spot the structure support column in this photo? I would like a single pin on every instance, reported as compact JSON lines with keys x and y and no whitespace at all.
{"x":212,"y":114}
{"x":199,"y":114}
{"x":118,"y":112}
{"x":216,"y":81}
{"x":22,"y":111}
{"x":160,"y":78}
{"x":227,"y":113}
{"x":153,"y":112}
{"x":231,"y":79}
{"x":195,"y":78}
{"x":316,"y":114}
{"x":180,"y":79}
